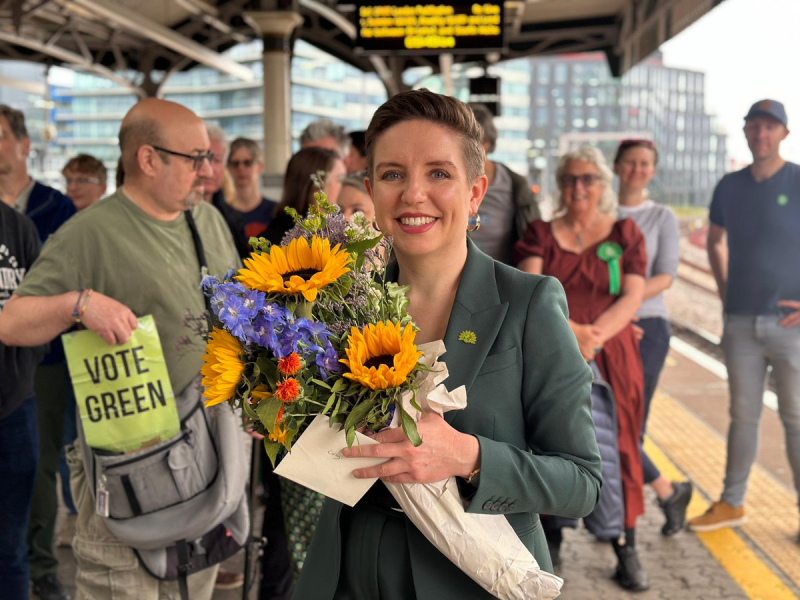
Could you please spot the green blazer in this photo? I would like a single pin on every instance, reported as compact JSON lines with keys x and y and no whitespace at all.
{"x":528,"y":392}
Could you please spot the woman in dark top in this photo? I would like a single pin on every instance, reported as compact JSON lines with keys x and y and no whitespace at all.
{"x":299,"y":188}
{"x":245,"y":164}
{"x":601,"y":263}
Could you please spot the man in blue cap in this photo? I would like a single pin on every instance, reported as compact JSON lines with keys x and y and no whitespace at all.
{"x":753,"y":246}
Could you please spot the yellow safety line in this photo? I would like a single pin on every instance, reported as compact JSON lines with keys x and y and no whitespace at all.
{"x":745,"y":568}
{"x":700,"y":452}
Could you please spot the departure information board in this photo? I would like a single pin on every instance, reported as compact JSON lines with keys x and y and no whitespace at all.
{"x":429,"y":28}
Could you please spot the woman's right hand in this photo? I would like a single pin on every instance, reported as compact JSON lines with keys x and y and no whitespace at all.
{"x":589,"y":338}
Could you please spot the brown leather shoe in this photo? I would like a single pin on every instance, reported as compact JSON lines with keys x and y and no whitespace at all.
{"x":718,"y":516}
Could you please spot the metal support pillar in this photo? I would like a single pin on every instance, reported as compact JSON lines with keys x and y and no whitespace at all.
{"x":276,"y":28}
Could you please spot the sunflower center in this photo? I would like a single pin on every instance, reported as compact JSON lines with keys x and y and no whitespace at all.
{"x":304,"y":273}
{"x":383,"y":359}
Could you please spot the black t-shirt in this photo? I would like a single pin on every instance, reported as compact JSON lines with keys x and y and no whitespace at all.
{"x":19,"y":247}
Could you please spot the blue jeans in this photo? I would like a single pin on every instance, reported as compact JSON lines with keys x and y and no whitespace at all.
{"x":19,"y":453}
{"x":751,"y":343}
{"x":653,"y":347}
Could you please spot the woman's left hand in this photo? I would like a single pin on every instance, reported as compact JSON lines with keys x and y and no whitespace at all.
{"x":444,"y":452}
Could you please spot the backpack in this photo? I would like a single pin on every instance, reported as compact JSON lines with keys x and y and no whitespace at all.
{"x":180,"y":504}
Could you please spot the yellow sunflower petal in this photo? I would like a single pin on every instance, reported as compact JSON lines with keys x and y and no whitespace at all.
{"x":397,"y":353}
{"x":298,"y":268}
{"x":222,"y":367}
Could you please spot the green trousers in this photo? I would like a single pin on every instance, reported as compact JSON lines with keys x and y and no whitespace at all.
{"x":50,"y":384}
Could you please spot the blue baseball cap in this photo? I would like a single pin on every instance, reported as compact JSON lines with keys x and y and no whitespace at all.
{"x":770,"y":108}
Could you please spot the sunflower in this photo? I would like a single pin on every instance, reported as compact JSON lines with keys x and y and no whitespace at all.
{"x":259,"y":393}
{"x":299,"y":268}
{"x":279,"y":434}
{"x":382,"y":355}
{"x":223,"y":367}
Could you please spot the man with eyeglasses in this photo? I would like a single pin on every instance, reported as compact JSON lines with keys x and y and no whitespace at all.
{"x":85,"y":177}
{"x":753,"y":245}
{"x":49,"y":209}
{"x":136,"y":251}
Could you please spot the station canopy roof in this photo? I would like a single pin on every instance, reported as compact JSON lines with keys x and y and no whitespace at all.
{"x":128,"y":40}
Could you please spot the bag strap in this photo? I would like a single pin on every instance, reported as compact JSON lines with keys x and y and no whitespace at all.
{"x":184,"y":568}
{"x":198,"y":248}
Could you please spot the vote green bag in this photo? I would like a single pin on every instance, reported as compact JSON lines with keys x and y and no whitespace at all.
{"x":123,"y":392}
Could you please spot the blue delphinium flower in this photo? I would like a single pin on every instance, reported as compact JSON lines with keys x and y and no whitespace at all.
{"x":328,"y":361}
{"x":240,"y":310}
{"x":209,"y":284}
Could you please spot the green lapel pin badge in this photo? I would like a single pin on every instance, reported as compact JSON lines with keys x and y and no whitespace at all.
{"x":611,"y":252}
{"x":467,"y":336}
{"x":782,"y":200}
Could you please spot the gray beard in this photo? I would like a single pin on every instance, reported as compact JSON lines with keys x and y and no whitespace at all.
{"x":194,"y":198}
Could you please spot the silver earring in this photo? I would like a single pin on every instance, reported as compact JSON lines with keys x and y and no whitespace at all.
{"x":375,"y":226}
{"x":474,"y":222}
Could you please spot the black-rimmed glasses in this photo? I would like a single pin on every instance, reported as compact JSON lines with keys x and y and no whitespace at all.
{"x":587,"y":180}
{"x":197,"y":159}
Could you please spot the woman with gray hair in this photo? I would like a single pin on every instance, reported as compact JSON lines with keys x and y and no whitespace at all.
{"x":601,"y":263}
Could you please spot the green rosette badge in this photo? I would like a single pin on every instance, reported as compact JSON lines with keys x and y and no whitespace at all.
{"x":611,"y":252}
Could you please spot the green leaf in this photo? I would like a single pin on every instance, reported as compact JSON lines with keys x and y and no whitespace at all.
{"x":364,"y":245}
{"x":359,"y":412}
{"x":248,"y":410}
{"x":350,"y":436}
{"x":329,"y":404}
{"x":268,"y":368}
{"x":339,"y":385}
{"x":290,"y":435}
{"x":409,"y":426}
{"x":272,"y":449}
{"x":267,"y":411}
{"x":320,"y":383}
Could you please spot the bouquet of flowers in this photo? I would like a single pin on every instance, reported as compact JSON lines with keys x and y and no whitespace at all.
{"x":311,"y":328}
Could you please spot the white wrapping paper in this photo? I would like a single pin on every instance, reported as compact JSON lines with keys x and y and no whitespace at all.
{"x":485,"y":547}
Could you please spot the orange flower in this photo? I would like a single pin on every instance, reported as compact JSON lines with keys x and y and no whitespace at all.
{"x":288,"y":390}
{"x":279,"y":418}
{"x":290,"y":365}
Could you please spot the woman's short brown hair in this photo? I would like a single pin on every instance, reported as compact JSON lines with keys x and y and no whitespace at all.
{"x":626,"y":145}
{"x":298,"y":186}
{"x":442,"y":110}
{"x":250,"y":145}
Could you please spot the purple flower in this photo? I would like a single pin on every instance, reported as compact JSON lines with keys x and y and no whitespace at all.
{"x":328,"y":361}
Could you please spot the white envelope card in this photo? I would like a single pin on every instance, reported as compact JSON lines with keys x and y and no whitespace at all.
{"x":316,"y":462}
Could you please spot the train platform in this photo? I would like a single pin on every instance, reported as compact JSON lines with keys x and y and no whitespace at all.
{"x":686,"y":439}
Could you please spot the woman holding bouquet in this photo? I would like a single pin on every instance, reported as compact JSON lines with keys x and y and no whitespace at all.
{"x":525,"y":443}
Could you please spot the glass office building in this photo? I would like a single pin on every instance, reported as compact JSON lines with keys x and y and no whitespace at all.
{"x":576,"y":101}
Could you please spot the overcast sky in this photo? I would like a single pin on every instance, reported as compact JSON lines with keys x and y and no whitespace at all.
{"x":749,"y":50}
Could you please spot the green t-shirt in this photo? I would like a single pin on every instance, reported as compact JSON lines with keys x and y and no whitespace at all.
{"x":151,"y":266}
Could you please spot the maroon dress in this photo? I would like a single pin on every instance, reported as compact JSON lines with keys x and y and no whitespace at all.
{"x":586,"y":282}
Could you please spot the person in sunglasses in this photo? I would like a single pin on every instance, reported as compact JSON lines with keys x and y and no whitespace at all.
{"x":635,"y":164}
{"x":85,"y":177}
{"x":299,"y":187}
{"x":246,"y":163}
{"x":601,"y":262}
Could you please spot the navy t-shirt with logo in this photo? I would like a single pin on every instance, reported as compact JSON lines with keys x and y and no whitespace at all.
{"x":762,"y":221}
